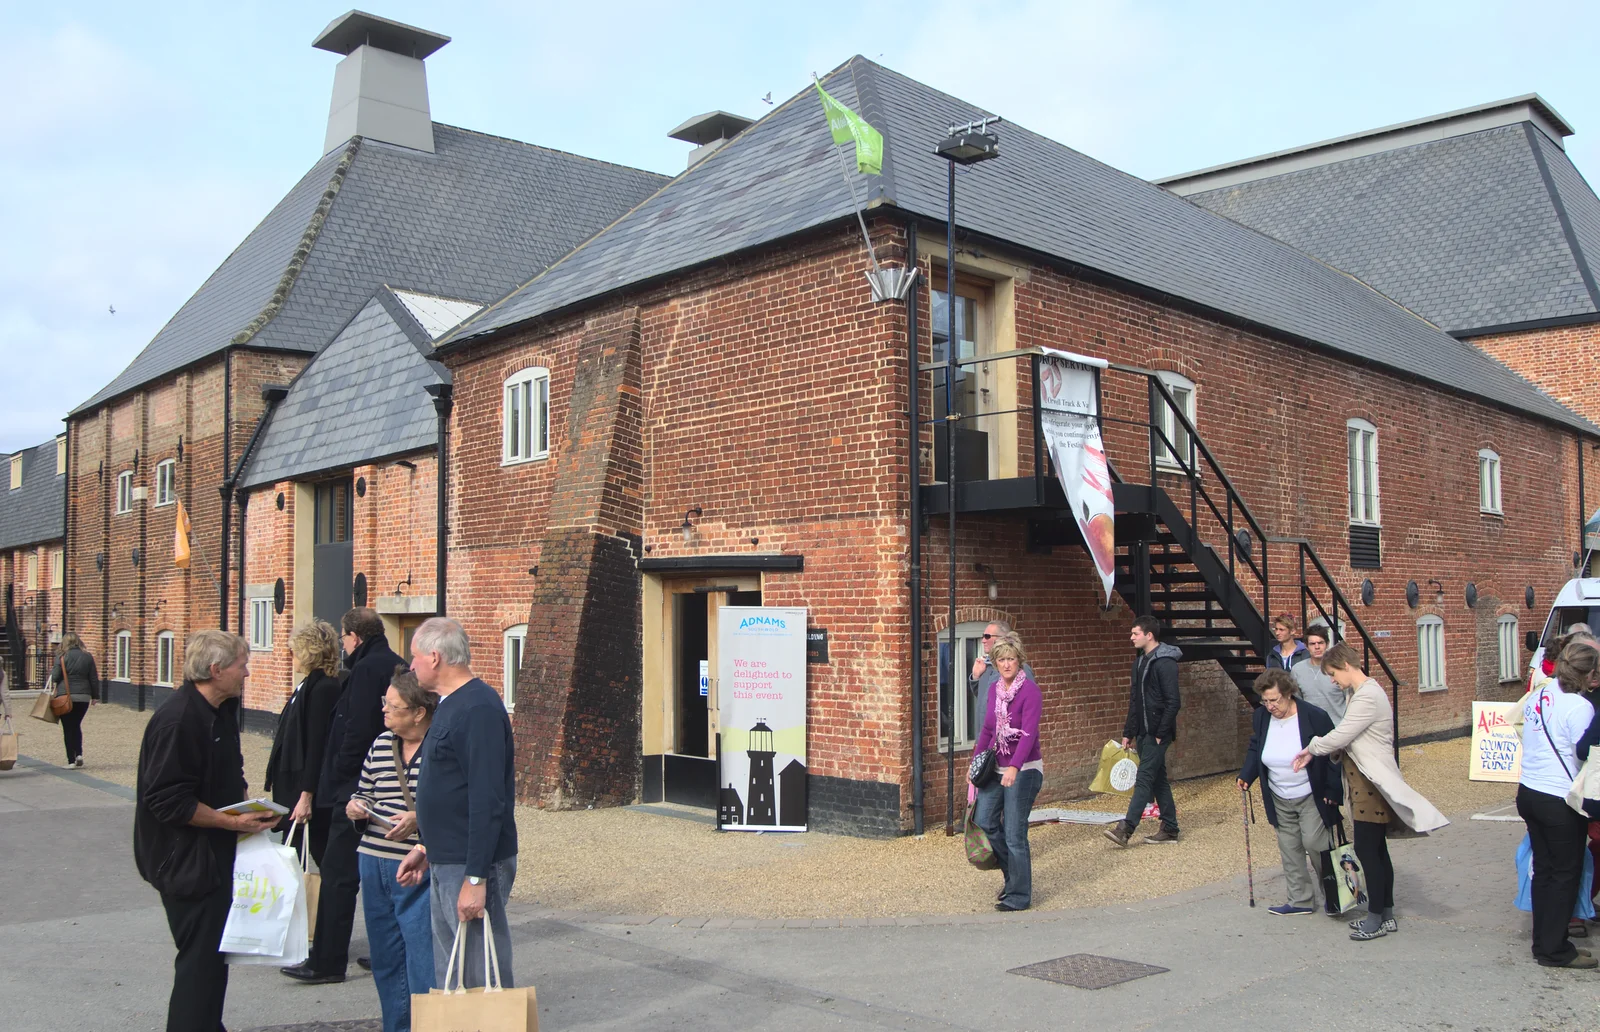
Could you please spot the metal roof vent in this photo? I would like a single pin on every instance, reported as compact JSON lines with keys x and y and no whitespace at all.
{"x":709,"y":132}
{"x":380,"y":89}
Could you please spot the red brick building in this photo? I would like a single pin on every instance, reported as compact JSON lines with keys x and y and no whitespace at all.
{"x":728,"y":418}
{"x":32,"y":499}
{"x":446,"y":216}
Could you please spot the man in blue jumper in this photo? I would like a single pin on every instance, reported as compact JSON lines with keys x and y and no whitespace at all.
{"x":465,"y":799}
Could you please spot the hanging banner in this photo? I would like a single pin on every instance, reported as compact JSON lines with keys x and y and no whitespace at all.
{"x":761,"y":697}
{"x":1069,"y":414}
{"x":1496,"y":753}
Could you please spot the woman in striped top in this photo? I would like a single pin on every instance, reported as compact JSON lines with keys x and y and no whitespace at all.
{"x":398,"y":923}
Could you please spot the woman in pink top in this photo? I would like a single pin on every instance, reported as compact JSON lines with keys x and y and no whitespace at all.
{"x":1012,"y":727}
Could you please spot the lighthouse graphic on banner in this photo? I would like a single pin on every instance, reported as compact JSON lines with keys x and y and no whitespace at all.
{"x":761,"y":808}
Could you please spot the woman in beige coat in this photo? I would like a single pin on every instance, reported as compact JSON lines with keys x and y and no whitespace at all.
{"x":1378,"y":794}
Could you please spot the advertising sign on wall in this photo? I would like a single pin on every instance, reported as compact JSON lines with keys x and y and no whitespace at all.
{"x":1496,"y":744}
{"x":761,"y":692}
{"x":1069,"y":401}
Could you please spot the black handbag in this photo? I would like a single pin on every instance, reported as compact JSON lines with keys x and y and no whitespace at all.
{"x":982,"y":769}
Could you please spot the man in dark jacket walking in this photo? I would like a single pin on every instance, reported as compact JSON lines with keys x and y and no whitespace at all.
{"x":189,"y":765}
{"x":1151,"y":727}
{"x":357,"y":721}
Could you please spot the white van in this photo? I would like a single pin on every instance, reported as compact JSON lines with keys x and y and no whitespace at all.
{"x":1578,"y":602}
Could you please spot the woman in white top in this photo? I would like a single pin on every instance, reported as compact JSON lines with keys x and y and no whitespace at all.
{"x":1554,"y":717}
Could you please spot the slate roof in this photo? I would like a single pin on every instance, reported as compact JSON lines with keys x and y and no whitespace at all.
{"x":1465,"y":231}
{"x":777,"y":178}
{"x":362,"y":399}
{"x":33,"y":512}
{"x":471,"y":220}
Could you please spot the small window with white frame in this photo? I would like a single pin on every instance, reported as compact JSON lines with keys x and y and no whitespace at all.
{"x":1430,"y":654}
{"x":58,"y":568}
{"x":1489,"y":481}
{"x":165,"y":643}
{"x":1510,"y":654}
{"x":31,"y":579}
{"x":261,"y":625}
{"x":1175,"y":449}
{"x":125,"y":491}
{"x":967,"y":700}
{"x":122,"y":661}
{"x":526,"y":417}
{"x":16,"y":471}
{"x":1363,"y":442}
{"x":516,"y":641}
{"x":167,"y":482}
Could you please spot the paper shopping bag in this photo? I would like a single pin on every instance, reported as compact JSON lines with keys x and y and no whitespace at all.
{"x":310,"y":879}
{"x":490,"y":1009}
{"x":267,"y":895}
{"x":1119,"y":768}
{"x":41,"y":709}
{"x":8,"y":744}
{"x":475,"y":1010}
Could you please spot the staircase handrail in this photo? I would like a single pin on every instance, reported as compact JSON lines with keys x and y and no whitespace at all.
{"x":1308,"y":550}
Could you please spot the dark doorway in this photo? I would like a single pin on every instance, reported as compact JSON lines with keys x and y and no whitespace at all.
{"x":331,"y":554}
{"x":693,"y":651}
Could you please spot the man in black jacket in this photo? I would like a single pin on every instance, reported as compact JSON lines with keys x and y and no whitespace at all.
{"x":1151,"y":727}
{"x":357,"y":721}
{"x":189,"y":765}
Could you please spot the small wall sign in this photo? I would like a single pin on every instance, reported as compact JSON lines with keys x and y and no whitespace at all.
{"x":816,"y":645}
{"x":705,"y":678}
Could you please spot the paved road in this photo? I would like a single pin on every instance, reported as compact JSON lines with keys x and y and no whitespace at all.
{"x":86,"y":948}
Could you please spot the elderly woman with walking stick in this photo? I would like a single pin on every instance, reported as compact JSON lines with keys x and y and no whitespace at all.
{"x":1378,"y":794}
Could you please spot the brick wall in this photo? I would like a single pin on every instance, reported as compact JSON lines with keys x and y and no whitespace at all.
{"x":38,"y":609}
{"x":137,"y":432}
{"x":773,"y":399}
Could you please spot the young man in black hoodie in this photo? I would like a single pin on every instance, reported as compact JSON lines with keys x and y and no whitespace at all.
{"x":357,"y":721}
{"x":189,"y":765}
{"x":1151,"y":726}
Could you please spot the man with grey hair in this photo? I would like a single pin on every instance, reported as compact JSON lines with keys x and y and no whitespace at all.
{"x":984,"y":674}
{"x":190,"y":766}
{"x":465,"y":800}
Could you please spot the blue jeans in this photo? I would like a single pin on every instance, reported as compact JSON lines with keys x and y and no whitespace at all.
{"x":447,"y":879}
{"x":1002,"y":813}
{"x":1152,"y":783}
{"x":400,"y":937}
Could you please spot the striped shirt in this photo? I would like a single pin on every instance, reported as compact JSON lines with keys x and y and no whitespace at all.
{"x":380,"y":788}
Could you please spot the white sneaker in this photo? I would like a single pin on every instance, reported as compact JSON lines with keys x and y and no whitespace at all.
{"x":78,"y":762}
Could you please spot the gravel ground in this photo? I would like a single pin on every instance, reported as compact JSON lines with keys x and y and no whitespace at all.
{"x":623,"y":861}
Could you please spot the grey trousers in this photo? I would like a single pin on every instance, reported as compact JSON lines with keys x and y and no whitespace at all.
{"x":1301,"y":833}
{"x":447,"y":879}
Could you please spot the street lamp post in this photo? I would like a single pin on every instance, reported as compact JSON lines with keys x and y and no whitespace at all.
{"x":966,"y":145}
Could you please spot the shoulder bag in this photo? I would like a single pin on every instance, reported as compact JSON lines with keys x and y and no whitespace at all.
{"x":61,"y":702}
{"x":400,"y":772}
{"x":980,"y":771}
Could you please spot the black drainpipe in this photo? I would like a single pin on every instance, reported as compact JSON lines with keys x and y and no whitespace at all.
{"x":1583,"y":508}
{"x":227,"y":508}
{"x":66,"y":526}
{"x":443,"y":402}
{"x":915,"y":448}
{"x":271,"y":394}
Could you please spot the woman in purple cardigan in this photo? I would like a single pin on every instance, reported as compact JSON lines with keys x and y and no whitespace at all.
{"x":1012,"y":727}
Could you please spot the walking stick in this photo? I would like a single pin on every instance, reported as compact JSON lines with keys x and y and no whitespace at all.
{"x":1249,"y":866}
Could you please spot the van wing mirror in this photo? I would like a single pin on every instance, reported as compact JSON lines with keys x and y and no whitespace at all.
{"x":1532,"y":641}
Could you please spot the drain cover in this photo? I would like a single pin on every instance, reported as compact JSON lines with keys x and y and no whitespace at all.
{"x":1088,"y":971}
{"x":369,"y":1025}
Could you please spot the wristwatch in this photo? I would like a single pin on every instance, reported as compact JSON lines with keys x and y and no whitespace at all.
{"x":474,"y":880}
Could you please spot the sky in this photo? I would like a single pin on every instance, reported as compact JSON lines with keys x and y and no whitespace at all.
{"x":143,"y":142}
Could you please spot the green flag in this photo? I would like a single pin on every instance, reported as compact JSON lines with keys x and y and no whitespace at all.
{"x":846,"y":126}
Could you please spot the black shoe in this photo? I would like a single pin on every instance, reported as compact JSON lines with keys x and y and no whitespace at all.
{"x":1007,"y":908}
{"x":304,"y":973}
{"x":364,"y":963}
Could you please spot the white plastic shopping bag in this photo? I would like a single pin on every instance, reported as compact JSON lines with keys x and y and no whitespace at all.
{"x":268,"y":895}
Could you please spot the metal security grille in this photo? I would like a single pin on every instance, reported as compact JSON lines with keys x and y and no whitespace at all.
{"x":1088,"y":971}
{"x":1366,"y":547}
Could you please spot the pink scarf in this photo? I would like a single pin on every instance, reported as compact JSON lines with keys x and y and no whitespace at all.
{"x":1006,"y":736}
